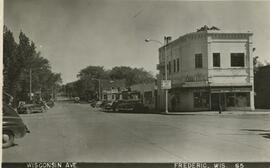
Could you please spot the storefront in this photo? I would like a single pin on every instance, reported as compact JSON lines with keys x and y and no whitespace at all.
{"x":210,"y":98}
{"x":230,"y":98}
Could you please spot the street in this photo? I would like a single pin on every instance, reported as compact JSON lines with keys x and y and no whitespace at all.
{"x":77,"y":132}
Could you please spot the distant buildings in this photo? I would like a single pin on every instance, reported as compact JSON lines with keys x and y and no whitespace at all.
{"x":208,"y":69}
{"x":112,"y":90}
{"x":148,"y":94}
{"x":262,"y":87}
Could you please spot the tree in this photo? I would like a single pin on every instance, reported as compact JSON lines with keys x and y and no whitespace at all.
{"x":88,"y":82}
{"x":257,"y":64}
{"x":131,"y":75}
{"x":91,"y":72}
{"x":19,"y":60}
{"x":87,"y":85}
{"x":10,"y":71}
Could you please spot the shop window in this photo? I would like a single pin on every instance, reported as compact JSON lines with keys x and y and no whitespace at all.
{"x":240,"y":99}
{"x":198,"y":61}
{"x":216,"y":59}
{"x":201,"y":99}
{"x":230,"y":99}
{"x":237,"y":59}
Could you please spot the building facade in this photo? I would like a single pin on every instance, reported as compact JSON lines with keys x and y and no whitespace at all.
{"x":148,"y":94}
{"x":261,"y":87}
{"x":112,"y":90}
{"x":208,"y":70}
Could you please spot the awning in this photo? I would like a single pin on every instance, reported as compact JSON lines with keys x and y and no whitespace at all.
{"x":230,"y":89}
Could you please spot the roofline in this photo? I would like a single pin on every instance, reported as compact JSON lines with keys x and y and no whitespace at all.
{"x":207,"y":33}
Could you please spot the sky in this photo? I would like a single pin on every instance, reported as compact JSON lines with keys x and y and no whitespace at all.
{"x":73,"y":34}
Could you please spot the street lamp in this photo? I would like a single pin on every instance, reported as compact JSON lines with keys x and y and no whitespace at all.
{"x":166,"y":38}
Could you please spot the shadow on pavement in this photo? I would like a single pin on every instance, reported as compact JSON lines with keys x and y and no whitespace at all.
{"x":131,"y":112}
{"x":263,"y":133}
{"x":266,"y":135}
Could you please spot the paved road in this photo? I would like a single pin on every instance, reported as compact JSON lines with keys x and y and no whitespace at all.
{"x":76,"y":132}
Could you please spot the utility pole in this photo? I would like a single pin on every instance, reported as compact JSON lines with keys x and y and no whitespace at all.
{"x":166,"y":41}
{"x":30,"y":84}
{"x":166,"y":75}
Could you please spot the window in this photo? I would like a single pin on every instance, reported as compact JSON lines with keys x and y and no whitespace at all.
{"x":198,"y":60}
{"x":201,"y":99}
{"x":237,"y":59}
{"x":216,"y":59}
{"x":169,"y":67}
{"x":178,"y":65}
{"x":240,"y":99}
{"x":174,"y":65}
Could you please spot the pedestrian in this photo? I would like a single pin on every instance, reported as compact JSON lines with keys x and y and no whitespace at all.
{"x":219,"y":107}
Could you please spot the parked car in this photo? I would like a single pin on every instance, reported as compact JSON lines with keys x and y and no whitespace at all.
{"x":50,"y":103}
{"x":130,"y":105}
{"x":13,"y":126}
{"x":108,"y":106}
{"x":96,"y":104}
{"x":76,"y":100}
{"x":103,"y":103}
{"x":31,"y":108}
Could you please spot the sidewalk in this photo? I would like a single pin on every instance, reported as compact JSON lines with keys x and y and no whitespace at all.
{"x":255,"y":112}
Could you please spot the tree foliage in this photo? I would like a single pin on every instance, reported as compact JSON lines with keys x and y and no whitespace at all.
{"x":87,"y":85}
{"x":21,"y":58}
{"x":131,"y":75}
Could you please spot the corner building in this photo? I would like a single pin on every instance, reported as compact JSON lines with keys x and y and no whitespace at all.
{"x":208,"y":69}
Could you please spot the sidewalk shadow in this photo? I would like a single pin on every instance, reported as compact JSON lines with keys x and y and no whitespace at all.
{"x":263,"y":133}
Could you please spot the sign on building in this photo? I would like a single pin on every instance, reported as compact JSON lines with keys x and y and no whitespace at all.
{"x":166,"y":84}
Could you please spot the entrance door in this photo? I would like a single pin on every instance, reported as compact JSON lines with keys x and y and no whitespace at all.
{"x":216,"y":99}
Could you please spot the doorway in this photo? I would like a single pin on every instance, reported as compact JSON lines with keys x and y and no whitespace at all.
{"x":216,"y":99}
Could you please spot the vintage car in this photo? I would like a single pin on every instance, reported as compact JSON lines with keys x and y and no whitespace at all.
{"x":96,"y":104}
{"x":31,"y":108}
{"x":130,"y":105}
{"x":76,"y":100}
{"x":13,"y":126}
{"x":109,"y":106}
{"x":50,"y":103}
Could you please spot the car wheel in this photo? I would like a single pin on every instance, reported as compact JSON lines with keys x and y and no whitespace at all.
{"x":7,"y":139}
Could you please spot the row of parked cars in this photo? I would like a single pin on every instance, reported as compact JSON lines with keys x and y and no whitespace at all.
{"x":12,"y":123}
{"x":38,"y":107}
{"x":120,"y":105}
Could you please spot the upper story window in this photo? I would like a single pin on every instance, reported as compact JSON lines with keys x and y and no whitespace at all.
{"x":178,"y":66}
{"x":216,"y":59}
{"x":174,"y":65}
{"x":237,"y":59}
{"x":169,"y":67}
{"x":198,"y":61}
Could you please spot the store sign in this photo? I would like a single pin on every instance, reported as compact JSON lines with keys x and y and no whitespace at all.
{"x":166,"y":84}
{"x":196,"y":78}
